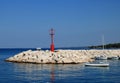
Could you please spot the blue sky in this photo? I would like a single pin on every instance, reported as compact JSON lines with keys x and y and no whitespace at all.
{"x":26,"y":23}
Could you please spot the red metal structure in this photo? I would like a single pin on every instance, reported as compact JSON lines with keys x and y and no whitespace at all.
{"x":52,"y":40}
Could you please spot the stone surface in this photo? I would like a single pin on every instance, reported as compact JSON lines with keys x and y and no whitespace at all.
{"x":61,"y":56}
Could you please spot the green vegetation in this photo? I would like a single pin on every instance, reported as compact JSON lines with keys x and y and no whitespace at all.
{"x":107,"y":46}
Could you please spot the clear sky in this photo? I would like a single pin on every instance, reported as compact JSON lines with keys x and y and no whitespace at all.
{"x":26,"y":23}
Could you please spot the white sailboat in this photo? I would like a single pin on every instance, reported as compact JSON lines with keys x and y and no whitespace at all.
{"x":102,"y":56}
{"x":97,"y":64}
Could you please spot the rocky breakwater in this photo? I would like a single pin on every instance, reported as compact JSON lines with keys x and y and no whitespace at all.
{"x":58,"y":57}
{"x":107,"y":53}
{"x":62,"y":56}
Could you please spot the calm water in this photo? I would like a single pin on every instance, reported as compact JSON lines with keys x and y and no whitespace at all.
{"x":51,"y":73}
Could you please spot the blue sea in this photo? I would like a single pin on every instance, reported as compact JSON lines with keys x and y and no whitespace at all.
{"x":55,"y":73}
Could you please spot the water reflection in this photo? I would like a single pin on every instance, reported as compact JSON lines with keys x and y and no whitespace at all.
{"x":45,"y":72}
{"x":50,"y":73}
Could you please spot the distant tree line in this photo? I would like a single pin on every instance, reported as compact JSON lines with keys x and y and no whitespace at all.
{"x":107,"y":46}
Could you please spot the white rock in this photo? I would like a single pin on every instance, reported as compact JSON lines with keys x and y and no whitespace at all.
{"x":61,"y":56}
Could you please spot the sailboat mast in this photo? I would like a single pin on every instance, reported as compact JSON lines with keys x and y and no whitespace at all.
{"x":103,"y":42}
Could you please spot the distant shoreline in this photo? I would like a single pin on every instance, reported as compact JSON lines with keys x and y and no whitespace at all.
{"x":107,"y":46}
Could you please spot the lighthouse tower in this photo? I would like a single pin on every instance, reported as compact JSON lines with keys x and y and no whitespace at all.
{"x":52,"y":40}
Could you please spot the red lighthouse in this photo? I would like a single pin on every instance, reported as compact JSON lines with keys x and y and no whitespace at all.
{"x":52,"y":40}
